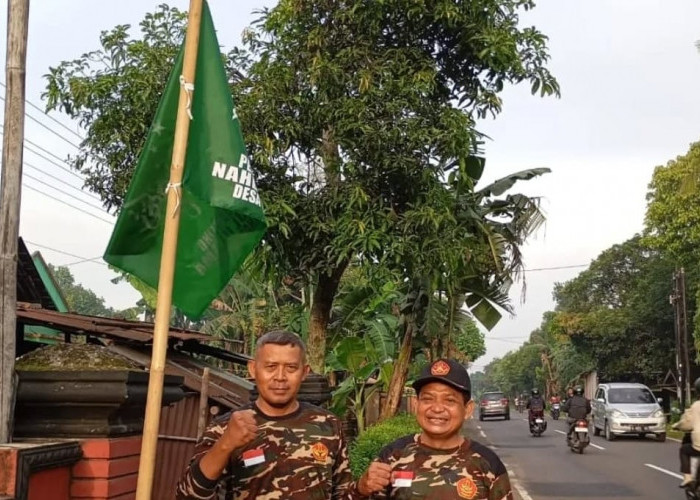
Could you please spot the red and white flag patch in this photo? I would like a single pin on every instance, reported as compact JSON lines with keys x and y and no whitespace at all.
{"x":253,"y":457}
{"x":401,"y":479}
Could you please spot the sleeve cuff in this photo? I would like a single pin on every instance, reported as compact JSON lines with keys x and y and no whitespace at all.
{"x":202,"y":481}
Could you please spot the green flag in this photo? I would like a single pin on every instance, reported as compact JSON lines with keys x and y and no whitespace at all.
{"x":221,"y":219}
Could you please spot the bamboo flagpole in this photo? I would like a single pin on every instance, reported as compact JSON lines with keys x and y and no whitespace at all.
{"x":167,"y":262}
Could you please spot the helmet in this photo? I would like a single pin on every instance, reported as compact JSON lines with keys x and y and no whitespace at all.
{"x":535,"y":392}
{"x":578,"y":390}
{"x":696,"y":385}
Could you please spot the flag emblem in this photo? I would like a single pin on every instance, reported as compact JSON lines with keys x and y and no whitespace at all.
{"x":440,"y":368}
{"x":319,"y":452}
{"x":401,"y":479}
{"x":253,"y":457}
{"x":466,"y":488}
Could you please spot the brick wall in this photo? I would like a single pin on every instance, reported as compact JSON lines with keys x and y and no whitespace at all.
{"x":108,"y":469}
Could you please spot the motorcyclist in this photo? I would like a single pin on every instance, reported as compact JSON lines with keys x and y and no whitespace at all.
{"x":523,"y":401}
{"x":577,"y":407}
{"x":554,"y":400}
{"x":534,"y":405}
{"x":569,"y":393}
{"x":690,"y":422}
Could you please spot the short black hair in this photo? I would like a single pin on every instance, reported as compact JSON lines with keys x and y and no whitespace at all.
{"x":282,"y":337}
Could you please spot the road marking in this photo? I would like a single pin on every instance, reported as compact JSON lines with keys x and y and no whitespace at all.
{"x":482,"y":434}
{"x":674,"y":439}
{"x":516,"y":485}
{"x":672,"y":474}
{"x":560,"y":432}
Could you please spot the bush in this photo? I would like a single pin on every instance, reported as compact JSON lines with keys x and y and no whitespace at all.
{"x":366,"y":447}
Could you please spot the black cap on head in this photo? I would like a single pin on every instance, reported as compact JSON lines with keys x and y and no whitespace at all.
{"x":445,"y":371}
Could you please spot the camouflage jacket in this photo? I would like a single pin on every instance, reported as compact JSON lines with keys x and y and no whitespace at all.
{"x":471,"y":471}
{"x":302,"y":455}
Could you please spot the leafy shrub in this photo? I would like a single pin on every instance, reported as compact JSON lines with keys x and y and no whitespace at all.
{"x":366,"y":447}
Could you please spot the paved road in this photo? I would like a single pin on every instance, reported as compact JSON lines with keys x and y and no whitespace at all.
{"x":545,"y":468}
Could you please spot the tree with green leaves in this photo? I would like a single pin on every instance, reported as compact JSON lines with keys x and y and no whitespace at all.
{"x":82,"y":300}
{"x":614,"y":317}
{"x":355,"y":113}
{"x":617,"y":312}
{"x":672,"y":221}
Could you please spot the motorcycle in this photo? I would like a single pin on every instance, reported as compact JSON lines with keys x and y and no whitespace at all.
{"x":537,"y":422}
{"x":579,"y":439}
{"x":556,"y":408}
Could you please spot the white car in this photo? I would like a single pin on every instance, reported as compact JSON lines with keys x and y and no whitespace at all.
{"x":625,"y":408}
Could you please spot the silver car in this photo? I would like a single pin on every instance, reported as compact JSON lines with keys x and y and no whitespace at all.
{"x":624,"y":408}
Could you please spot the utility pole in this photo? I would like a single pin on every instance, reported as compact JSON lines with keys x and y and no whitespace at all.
{"x":10,"y":198}
{"x":680,"y":315}
{"x":684,"y":336}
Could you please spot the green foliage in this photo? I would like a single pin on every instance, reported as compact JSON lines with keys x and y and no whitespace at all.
{"x":360,"y":121}
{"x":613,"y":317}
{"x":469,"y":341}
{"x":672,"y":222}
{"x":82,"y":300}
{"x":360,"y":359}
{"x":617,"y":312}
{"x":113,"y":93}
{"x":366,"y":447}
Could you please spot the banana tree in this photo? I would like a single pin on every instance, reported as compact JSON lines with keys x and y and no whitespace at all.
{"x":468,"y":245}
{"x":362,"y":359}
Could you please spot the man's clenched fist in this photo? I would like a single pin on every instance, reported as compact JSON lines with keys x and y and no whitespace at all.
{"x":241,"y":430}
{"x":376,"y":478}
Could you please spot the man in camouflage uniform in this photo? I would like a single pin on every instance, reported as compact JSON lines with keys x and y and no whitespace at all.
{"x":275,"y":448}
{"x":439,"y":463}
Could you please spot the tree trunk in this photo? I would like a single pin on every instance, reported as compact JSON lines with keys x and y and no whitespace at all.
{"x":321,"y":305}
{"x":447,"y":347}
{"x":398,"y":378}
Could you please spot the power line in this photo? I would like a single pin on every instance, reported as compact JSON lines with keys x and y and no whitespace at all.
{"x":68,"y":204}
{"x":41,"y":148}
{"x":94,"y":260}
{"x":48,"y":159}
{"x":505,"y":340}
{"x":49,"y":116}
{"x":555,"y":268}
{"x":67,"y":194}
{"x":83,"y":259}
{"x":48,"y":128}
{"x":53,"y":162}
{"x":57,"y":179}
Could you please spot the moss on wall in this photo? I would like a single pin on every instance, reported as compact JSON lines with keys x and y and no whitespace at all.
{"x":74,"y":357}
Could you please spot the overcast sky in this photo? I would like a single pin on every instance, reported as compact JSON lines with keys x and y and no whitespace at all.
{"x":630,"y":78}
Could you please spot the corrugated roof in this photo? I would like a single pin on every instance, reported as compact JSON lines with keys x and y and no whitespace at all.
{"x":225,"y":388}
{"x":79,"y":324}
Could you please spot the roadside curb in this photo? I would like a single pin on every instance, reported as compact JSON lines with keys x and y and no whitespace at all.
{"x":518,"y":490}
